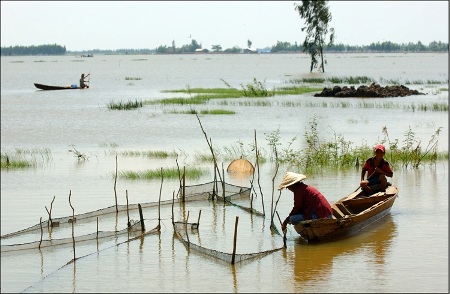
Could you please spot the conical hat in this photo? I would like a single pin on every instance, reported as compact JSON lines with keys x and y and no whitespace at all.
{"x":290,"y":178}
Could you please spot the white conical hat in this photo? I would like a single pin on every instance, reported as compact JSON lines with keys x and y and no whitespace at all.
{"x":290,"y":178}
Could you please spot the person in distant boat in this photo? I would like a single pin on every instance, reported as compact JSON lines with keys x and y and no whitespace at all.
{"x":309,"y":203}
{"x":377,"y":169}
{"x":83,"y":81}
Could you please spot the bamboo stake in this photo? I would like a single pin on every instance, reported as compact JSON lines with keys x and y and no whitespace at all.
{"x":198,"y":221}
{"x":42,"y":232}
{"x":257,"y":165}
{"x":184,"y":184}
{"x":50,"y":221}
{"x":128,"y":212}
{"x":73,"y":224}
{"x":173,"y":202}
{"x":159,"y":201}
{"x":186,"y":231}
{"x":235,"y":240}
{"x":115,"y":190}
{"x":141,"y":216}
{"x":284,"y":232}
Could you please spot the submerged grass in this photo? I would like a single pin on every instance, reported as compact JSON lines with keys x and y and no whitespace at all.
{"x":192,"y":173}
{"x":212,"y":111}
{"x":161,"y":154}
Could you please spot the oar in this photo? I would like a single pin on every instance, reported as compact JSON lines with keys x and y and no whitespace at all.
{"x":367,"y":179}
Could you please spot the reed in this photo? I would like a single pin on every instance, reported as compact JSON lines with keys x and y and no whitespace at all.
{"x":338,"y":153}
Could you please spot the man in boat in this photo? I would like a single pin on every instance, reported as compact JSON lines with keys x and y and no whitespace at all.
{"x":83,"y":81}
{"x":309,"y":203}
{"x":377,"y":170}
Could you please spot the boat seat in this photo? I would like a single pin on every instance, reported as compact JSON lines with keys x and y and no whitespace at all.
{"x":343,"y":209}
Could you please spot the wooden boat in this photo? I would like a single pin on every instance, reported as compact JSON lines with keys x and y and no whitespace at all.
{"x":350,"y":214}
{"x":46,"y":87}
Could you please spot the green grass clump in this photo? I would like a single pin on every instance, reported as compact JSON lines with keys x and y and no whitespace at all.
{"x":149,"y":154}
{"x":125,"y":105}
{"x":24,"y":158}
{"x":171,"y":173}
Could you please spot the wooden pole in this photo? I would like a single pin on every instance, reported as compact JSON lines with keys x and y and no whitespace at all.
{"x":128,"y":212}
{"x":73,"y":224}
{"x":115,"y":190}
{"x":50,"y":221}
{"x":42,"y":232}
{"x":97,"y":227}
{"x":173,"y":202}
{"x":235,"y":240}
{"x":184,"y":184}
{"x":185,"y":229}
{"x":284,"y":232}
{"x":141,"y":216}
{"x":223,"y":183}
{"x":159,"y":201}
{"x":198,"y":221}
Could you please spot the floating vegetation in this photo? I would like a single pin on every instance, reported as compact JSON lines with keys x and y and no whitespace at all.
{"x":125,"y":105}
{"x":132,"y":79}
{"x":139,"y":59}
{"x":24,"y":158}
{"x":171,"y":173}
{"x":255,"y":89}
{"x":17,"y":61}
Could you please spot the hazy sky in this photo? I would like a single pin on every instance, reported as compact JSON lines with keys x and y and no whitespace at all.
{"x":113,"y":25}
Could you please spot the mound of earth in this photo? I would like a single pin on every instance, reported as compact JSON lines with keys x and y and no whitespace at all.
{"x":374,"y":90}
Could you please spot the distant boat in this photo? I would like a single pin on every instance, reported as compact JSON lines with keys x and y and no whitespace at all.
{"x":47,"y":87}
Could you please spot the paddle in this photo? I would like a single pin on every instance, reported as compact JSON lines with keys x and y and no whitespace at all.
{"x":366,"y":179}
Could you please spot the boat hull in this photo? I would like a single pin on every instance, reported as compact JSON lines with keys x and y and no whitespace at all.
{"x":350,"y":215}
{"x":47,"y":87}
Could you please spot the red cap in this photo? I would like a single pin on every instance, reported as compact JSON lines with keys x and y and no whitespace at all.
{"x":379,"y":147}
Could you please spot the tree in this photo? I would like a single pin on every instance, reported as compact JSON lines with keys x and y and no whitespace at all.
{"x":216,"y":48}
{"x":249,"y":43}
{"x":317,"y":17}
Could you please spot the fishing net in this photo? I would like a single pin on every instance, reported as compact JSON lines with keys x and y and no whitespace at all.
{"x":182,"y":228}
{"x":84,"y":226}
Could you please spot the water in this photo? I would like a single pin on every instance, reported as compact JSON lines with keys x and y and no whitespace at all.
{"x":406,"y":252}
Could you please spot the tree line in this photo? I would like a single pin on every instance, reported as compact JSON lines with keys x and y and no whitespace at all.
{"x":279,"y":47}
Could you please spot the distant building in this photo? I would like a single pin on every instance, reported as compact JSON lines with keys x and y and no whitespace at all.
{"x":250,"y":50}
{"x":200,"y":50}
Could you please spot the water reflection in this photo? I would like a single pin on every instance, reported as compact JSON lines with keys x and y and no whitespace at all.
{"x":315,"y":261}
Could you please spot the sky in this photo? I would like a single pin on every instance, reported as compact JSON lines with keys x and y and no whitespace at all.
{"x":111,"y":25}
